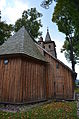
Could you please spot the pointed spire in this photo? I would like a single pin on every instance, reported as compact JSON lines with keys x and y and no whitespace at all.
{"x":47,"y":38}
{"x":47,"y":29}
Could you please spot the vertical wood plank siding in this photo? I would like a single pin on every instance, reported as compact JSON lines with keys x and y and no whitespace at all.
{"x":25,"y":80}
{"x":22,"y":80}
{"x":10,"y":81}
{"x":60,"y":80}
{"x":33,"y":77}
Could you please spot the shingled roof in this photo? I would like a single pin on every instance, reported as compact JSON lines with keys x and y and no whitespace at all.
{"x":21,"y":42}
{"x":47,"y":38}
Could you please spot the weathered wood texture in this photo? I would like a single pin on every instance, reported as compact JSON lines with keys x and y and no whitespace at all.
{"x":60,"y":79}
{"x":22,"y":80}
{"x":25,"y":80}
{"x":10,"y":81}
{"x":34,"y":82}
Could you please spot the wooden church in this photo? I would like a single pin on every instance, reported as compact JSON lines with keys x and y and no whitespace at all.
{"x":30,"y":71}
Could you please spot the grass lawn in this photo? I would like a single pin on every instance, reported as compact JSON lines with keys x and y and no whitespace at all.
{"x":76,"y":90}
{"x":54,"y":110}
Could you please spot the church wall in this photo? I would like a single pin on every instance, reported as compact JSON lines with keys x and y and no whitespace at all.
{"x":60,"y":80}
{"x":26,"y":80}
{"x":34,"y":80}
{"x":10,"y":81}
{"x":22,"y":80}
{"x":50,"y":48}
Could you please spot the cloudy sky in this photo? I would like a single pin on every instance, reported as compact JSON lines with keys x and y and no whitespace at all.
{"x":11,"y":10}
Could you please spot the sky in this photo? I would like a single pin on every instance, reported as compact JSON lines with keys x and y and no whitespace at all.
{"x":11,"y":10}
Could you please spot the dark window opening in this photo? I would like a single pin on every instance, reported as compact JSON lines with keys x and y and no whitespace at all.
{"x":44,"y":53}
{"x":49,"y":46}
{"x":57,"y":66}
{"x":5,"y":61}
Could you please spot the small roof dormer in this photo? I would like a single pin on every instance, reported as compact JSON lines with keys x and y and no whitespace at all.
{"x":47,"y":38}
{"x":40,"y":39}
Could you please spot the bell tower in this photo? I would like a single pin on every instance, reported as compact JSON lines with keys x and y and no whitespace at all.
{"x":49,"y":45}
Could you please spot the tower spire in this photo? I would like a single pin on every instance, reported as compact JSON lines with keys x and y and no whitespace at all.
{"x":47,"y":38}
{"x":47,"y":29}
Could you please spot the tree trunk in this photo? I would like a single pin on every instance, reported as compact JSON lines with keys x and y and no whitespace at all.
{"x":71,"y":55}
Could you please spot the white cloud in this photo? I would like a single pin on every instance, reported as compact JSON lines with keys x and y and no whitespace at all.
{"x":13,"y":12}
{"x":23,"y":1}
{"x":2,"y":4}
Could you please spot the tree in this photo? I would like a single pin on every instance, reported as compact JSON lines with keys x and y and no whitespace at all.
{"x":66,"y":17}
{"x":66,"y":49}
{"x":30,"y":19}
{"x":46,"y":3}
{"x":5,"y":31}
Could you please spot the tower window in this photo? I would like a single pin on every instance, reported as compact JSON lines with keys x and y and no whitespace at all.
{"x":44,"y":53}
{"x":49,"y":46}
{"x":57,"y":66}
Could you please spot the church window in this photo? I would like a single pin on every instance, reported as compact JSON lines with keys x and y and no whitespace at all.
{"x":49,"y":46}
{"x":57,"y":66}
{"x":5,"y":61}
{"x":44,"y":53}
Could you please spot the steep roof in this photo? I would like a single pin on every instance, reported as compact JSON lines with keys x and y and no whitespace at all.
{"x":47,"y":38}
{"x":42,"y":49}
{"x":21,"y":42}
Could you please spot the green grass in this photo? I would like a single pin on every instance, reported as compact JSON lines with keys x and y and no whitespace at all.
{"x":76,"y":90}
{"x":54,"y":110}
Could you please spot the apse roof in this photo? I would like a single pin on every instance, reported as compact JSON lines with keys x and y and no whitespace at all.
{"x":21,"y":42}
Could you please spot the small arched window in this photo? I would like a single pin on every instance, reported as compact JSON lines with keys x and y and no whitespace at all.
{"x":57,"y":66}
{"x":5,"y":61}
{"x":44,"y":47}
{"x":49,"y":46}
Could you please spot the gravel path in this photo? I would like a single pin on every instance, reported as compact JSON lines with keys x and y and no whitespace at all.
{"x":18,"y":108}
